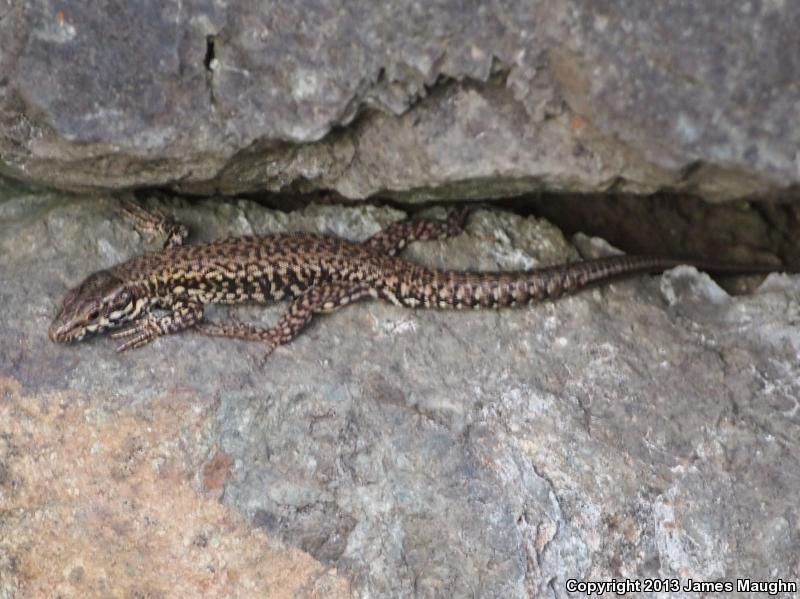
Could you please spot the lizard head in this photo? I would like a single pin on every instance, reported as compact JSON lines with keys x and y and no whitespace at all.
{"x":101,"y":302}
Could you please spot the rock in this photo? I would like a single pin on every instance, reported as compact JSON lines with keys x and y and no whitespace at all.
{"x":411,"y":100}
{"x":647,"y":429}
{"x":100,"y":499}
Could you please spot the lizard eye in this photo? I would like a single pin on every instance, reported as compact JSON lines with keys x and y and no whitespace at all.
{"x":94,"y":315}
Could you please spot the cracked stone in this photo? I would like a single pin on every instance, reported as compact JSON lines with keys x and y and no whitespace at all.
{"x":644,"y":429}
{"x":410,"y":100}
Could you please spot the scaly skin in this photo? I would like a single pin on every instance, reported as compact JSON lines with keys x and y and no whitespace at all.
{"x":317,"y":273}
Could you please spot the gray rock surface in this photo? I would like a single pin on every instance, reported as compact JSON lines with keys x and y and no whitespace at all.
{"x":645,"y":429}
{"x":410,"y":99}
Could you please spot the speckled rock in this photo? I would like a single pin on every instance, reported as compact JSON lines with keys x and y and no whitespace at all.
{"x":647,"y":429}
{"x":104,"y":496}
{"x":409,"y":99}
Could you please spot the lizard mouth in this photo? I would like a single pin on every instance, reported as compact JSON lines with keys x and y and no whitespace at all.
{"x":66,"y":333}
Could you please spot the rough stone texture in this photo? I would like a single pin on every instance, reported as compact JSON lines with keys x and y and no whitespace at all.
{"x":646,"y":429}
{"x":410,"y":99}
{"x":104,"y":496}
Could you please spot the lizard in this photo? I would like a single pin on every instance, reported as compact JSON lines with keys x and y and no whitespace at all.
{"x":318,"y":274}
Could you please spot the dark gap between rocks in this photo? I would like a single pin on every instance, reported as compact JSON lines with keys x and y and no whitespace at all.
{"x":668,"y":224}
{"x":210,"y":52}
{"x":677,"y":225}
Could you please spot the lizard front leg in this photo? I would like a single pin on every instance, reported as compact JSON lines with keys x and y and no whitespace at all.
{"x":152,"y":221}
{"x":321,"y":299}
{"x":397,"y":236}
{"x":142,"y":331}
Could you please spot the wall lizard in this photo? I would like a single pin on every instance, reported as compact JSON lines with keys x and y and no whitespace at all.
{"x":317,"y":273}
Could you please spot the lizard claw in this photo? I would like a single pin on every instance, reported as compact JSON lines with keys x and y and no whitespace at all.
{"x":457,"y":218}
{"x":263,"y":360}
{"x":146,"y":222}
{"x":139,"y":333}
{"x":122,"y":333}
{"x":150,"y":222}
{"x":137,"y":341}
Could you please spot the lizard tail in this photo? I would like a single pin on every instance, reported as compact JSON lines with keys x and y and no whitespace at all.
{"x":459,"y":289}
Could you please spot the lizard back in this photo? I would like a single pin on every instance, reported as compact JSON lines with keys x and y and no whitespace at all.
{"x":259,"y":269}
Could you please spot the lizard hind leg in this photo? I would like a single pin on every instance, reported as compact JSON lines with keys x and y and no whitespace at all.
{"x":320,"y":299}
{"x":392,"y":239}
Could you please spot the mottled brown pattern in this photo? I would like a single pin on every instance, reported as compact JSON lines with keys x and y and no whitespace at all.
{"x":317,"y":273}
